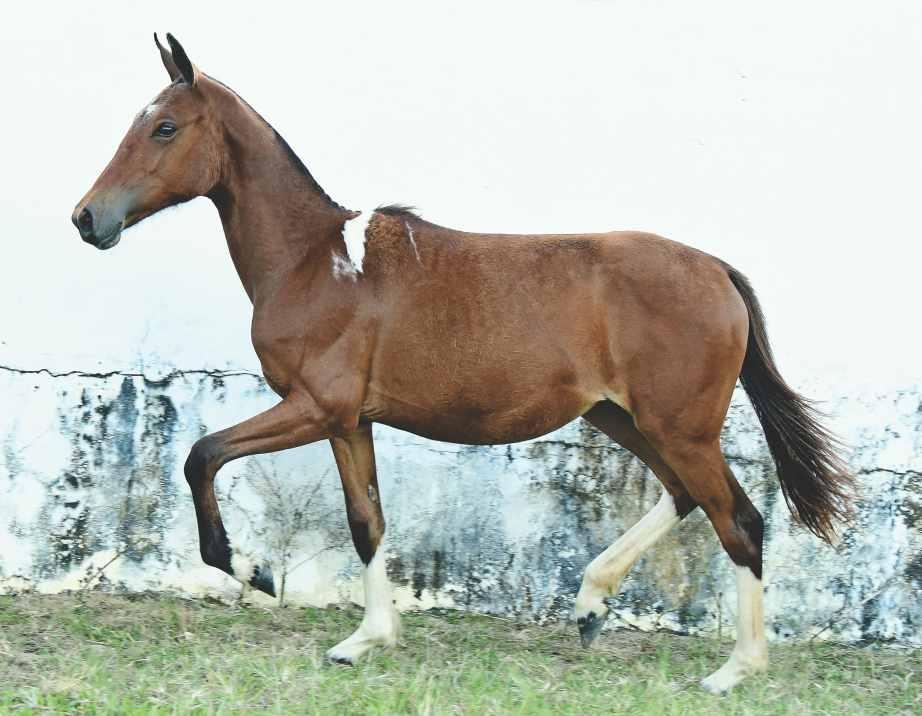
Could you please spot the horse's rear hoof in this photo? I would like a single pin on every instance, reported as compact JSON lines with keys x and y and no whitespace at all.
{"x":339,"y":660}
{"x":263,"y":581}
{"x":589,"y":628}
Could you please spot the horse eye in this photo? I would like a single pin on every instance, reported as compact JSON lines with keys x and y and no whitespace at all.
{"x":165,"y":129}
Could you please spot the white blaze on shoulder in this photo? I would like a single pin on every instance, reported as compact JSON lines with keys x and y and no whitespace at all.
{"x":343,"y":267}
{"x":354,"y":236}
{"x":381,"y":625}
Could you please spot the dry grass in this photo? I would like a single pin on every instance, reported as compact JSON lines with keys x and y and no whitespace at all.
{"x":99,"y":653}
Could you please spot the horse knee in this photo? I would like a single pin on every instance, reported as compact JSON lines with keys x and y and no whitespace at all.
{"x":204,"y":459}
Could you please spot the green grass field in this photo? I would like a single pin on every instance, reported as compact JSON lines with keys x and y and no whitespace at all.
{"x":96,"y":653}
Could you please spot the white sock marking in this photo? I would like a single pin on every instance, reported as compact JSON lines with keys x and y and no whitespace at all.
{"x":381,"y":625}
{"x":242,"y":565}
{"x":604,"y":574}
{"x":750,"y":654}
{"x":379,"y":604}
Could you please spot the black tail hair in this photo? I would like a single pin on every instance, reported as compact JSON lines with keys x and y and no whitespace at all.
{"x":816,"y":483}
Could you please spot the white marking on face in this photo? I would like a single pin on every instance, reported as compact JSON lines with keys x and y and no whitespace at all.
{"x":354,"y":235}
{"x":148,"y":111}
{"x":412,"y":240}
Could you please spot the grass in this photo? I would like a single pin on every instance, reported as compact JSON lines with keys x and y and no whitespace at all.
{"x":97,"y":653}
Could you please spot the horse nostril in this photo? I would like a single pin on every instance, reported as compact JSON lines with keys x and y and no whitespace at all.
{"x":85,"y":222}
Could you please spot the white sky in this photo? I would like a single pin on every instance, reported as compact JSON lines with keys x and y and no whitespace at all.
{"x":784,"y":137}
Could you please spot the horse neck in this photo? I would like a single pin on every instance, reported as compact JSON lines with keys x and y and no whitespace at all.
{"x":275,"y":217}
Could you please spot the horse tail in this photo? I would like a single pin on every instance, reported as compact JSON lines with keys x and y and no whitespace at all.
{"x":816,"y":484}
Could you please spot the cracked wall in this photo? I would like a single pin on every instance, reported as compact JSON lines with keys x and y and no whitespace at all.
{"x":93,"y":496}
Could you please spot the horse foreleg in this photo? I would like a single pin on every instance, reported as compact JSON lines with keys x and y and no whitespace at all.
{"x":286,"y":425}
{"x":355,"y":458}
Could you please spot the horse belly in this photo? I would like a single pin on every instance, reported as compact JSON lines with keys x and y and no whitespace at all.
{"x":475,"y":418}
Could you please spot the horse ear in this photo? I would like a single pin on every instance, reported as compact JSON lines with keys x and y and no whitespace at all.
{"x":167,"y":58}
{"x":187,"y":70}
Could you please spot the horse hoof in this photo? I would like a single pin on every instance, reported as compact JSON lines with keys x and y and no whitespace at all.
{"x":712,"y":688}
{"x":339,"y":660}
{"x":589,"y":628}
{"x":263,"y":581}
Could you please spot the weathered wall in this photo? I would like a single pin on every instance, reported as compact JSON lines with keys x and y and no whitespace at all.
{"x":92,"y":496}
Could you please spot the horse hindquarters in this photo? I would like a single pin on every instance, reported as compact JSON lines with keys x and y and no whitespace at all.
{"x":681,"y":379}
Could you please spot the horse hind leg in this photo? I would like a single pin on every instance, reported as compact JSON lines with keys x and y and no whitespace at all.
{"x":710,"y":482}
{"x":604,"y":574}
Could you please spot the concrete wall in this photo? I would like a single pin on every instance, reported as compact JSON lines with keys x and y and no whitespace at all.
{"x":783,"y":139}
{"x":92,"y":496}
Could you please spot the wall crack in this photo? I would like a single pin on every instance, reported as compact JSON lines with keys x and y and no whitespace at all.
{"x":163,"y":380}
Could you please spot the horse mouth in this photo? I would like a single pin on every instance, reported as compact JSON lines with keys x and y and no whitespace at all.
{"x":107,"y":242}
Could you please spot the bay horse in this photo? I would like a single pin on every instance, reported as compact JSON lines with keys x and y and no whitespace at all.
{"x":381,"y":316}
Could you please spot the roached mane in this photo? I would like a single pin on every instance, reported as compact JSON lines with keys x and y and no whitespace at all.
{"x":398,"y":210}
{"x":387,"y":209}
{"x":295,"y":159}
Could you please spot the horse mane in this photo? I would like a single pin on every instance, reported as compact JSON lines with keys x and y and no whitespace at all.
{"x":293,"y":158}
{"x":399,"y":210}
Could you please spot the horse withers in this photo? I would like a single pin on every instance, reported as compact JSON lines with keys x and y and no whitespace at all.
{"x":380,"y":316}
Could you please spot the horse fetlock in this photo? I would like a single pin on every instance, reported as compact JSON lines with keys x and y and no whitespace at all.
{"x":742,"y":663}
{"x":592,"y":595}
{"x":371,"y":633}
{"x":382,"y":627}
{"x":251,"y":573}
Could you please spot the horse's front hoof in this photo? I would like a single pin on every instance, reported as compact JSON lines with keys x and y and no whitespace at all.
{"x":263,"y":581}
{"x":589,"y":628}
{"x":251,"y":573}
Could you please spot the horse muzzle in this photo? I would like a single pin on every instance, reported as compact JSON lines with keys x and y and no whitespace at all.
{"x":101,"y":234}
